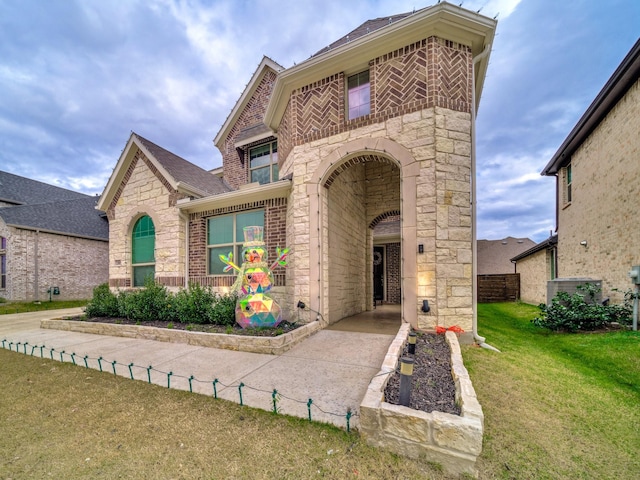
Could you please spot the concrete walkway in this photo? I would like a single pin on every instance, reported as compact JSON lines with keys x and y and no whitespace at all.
{"x":332,"y":367}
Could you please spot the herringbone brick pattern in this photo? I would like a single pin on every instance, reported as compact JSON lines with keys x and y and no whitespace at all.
{"x":453,"y":79}
{"x":400,"y":80}
{"x":319,"y":106}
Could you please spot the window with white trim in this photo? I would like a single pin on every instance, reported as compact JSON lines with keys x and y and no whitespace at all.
{"x":263,"y":163}
{"x":358,"y":95}
{"x":225,"y":234}
{"x":566,"y":185}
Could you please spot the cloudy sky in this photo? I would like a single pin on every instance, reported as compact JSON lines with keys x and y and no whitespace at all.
{"x":76,"y":77}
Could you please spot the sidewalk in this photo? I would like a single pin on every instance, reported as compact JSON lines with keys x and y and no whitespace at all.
{"x":332,"y":368}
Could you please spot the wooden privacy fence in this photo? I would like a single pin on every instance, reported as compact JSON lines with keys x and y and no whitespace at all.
{"x":499,"y":288}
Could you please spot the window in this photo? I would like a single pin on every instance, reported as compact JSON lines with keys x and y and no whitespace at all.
{"x":359,"y":95}
{"x":225,"y":234}
{"x":143,"y":244}
{"x":3,"y":263}
{"x":566,"y":187}
{"x":263,"y":163}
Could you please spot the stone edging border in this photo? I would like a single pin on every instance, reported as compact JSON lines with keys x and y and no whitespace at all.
{"x":450,"y":440}
{"x":243,"y":343}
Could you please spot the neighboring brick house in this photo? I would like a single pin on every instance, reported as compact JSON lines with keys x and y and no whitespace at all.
{"x":494,"y":256}
{"x":49,"y":237}
{"x":597,"y":170}
{"x":536,"y":266}
{"x":376,"y":130}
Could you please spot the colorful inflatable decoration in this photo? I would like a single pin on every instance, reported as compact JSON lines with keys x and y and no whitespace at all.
{"x":255,"y":307}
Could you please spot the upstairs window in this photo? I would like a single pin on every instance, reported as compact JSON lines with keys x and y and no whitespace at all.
{"x":263,"y":163}
{"x":143,"y":245}
{"x":359,"y":95}
{"x":567,"y":194}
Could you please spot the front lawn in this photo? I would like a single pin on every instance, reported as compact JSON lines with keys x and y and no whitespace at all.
{"x":23,"y":307}
{"x":556,"y":405}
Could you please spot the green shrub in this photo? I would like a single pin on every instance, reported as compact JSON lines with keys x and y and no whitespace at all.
{"x":150,"y":303}
{"x":103,"y":304}
{"x":224,"y":310}
{"x":194,"y":305}
{"x":580,"y":311}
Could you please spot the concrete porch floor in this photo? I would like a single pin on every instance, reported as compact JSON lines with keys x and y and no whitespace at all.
{"x":384,"y":319}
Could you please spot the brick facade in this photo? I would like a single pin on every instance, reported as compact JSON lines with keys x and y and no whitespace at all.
{"x":36,"y":261}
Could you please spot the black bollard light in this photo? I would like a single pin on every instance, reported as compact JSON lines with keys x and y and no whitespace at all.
{"x":406,"y":371}
{"x":412,"y":343}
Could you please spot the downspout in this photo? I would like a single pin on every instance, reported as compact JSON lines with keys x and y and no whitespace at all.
{"x":186,"y":247}
{"x":474,"y":244}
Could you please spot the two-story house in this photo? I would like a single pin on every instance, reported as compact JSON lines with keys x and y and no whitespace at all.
{"x":360,"y":156}
{"x":597,"y":170}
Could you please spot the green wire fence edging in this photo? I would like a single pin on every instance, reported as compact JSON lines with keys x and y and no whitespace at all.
{"x":275,"y":394}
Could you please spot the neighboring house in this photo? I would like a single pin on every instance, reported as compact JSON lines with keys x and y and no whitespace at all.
{"x":358,"y":157}
{"x":597,"y":170}
{"x":49,"y":237}
{"x":494,"y":256}
{"x":536,"y":266}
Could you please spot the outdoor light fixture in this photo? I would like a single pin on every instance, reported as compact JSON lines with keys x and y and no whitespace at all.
{"x":301,"y":305}
{"x":421,"y":248}
{"x":412,"y":343}
{"x":583,"y":243}
{"x":425,"y":306}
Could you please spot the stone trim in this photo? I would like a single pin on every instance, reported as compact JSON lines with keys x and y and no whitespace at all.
{"x":455,"y":442}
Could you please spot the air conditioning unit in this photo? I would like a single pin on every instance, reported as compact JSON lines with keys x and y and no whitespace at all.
{"x":570,"y":285}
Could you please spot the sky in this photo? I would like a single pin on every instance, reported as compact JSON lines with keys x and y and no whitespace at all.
{"x":77,"y":76}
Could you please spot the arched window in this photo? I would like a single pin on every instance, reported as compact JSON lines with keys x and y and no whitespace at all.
{"x":143,"y":243}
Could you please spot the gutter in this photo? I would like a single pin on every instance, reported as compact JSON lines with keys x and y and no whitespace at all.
{"x":474,"y":244}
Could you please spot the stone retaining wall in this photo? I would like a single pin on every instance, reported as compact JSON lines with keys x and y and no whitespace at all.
{"x":450,"y":440}
{"x":244,"y":343}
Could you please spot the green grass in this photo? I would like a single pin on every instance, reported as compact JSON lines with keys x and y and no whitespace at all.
{"x":63,"y":421}
{"x":23,"y":307}
{"x":556,"y":405}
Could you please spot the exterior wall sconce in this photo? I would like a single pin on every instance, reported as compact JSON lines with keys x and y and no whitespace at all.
{"x":584,"y":243}
{"x":425,"y":306}
{"x":421,"y":248}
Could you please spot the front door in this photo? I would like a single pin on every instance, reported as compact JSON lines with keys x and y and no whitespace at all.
{"x":378,"y":274}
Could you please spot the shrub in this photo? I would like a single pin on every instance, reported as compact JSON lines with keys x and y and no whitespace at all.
{"x":224,"y":310}
{"x":150,"y":303}
{"x":194,"y":305}
{"x":580,"y":311}
{"x":103,"y":304}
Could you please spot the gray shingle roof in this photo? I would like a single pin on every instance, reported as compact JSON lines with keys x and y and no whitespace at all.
{"x":76,"y":217}
{"x":24,"y":191}
{"x":184,"y":171}
{"x":367,"y":27}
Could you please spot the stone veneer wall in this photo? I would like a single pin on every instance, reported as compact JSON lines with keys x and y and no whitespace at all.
{"x":75,"y":265}
{"x":604,"y":209}
{"x":145,"y":192}
{"x":534,"y":273}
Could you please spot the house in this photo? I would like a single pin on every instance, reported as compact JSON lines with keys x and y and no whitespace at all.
{"x":494,"y":256}
{"x":536,"y":266}
{"x":361,"y":159}
{"x":49,"y":237}
{"x":597,"y":170}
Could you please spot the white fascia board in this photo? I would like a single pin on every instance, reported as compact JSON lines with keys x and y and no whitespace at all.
{"x":278,"y":189}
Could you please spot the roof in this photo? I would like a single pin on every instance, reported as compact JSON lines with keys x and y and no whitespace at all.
{"x":184,"y":171}
{"x":494,"y":255}
{"x":182,"y":175}
{"x":447,"y":21}
{"x":548,"y":243}
{"x":25,"y":191}
{"x":77,"y":217}
{"x":625,"y":76}
{"x":367,"y":27}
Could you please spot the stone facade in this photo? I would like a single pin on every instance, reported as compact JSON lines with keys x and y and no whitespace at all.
{"x":604,"y":206}
{"x":145,"y":192}
{"x":36,"y":261}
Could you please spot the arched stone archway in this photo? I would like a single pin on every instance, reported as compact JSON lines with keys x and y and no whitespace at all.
{"x":363,"y":169}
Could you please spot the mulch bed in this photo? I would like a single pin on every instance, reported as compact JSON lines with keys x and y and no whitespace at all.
{"x":235,"y":329}
{"x":432,"y":386}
